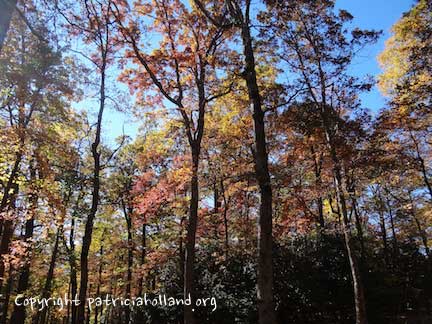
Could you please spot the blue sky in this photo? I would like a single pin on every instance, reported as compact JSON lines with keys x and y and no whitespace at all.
{"x":368,"y":14}
{"x":379,"y":15}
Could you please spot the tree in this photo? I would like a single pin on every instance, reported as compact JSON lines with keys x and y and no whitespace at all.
{"x":36,"y":84}
{"x":406,"y":80}
{"x":237,"y":14}
{"x":318,"y":49}
{"x":183,"y":72}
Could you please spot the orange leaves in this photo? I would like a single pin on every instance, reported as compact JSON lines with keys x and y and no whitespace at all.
{"x":154,"y":192}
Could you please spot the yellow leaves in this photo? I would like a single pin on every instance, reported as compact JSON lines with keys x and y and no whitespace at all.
{"x":405,"y":58}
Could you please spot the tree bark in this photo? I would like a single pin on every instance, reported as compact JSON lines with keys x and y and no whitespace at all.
{"x":318,"y":184}
{"x":19,"y":313}
{"x":266,"y":311}
{"x":139,"y":315}
{"x":359,"y":299}
{"x":46,"y":293}
{"x":101,"y":252}
{"x":87,"y":239}
{"x":189,"y":317}
{"x":3,"y":319}
{"x":381,"y":209}
{"x":225,"y":219}
{"x":127,"y":214}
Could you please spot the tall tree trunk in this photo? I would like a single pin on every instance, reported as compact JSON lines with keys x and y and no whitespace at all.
{"x":215,"y":209}
{"x":139,"y":315}
{"x":318,"y":182}
{"x":4,"y":246}
{"x":6,"y":12}
{"x":11,"y":189}
{"x":393,"y":230}
{"x":87,"y":239}
{"x":3,"y":319}
{"x":127,"y":214}
{"x":359,"y":227}
{"x":359,"y":298}
{"x":46,"y":292}
{"x":189,"y":277}
{"x":381,"y":209}
{"x":420,"y":229}
{"x":73,"y":282}
{"x":19,"y":312}
{"x":266,"y":311}
{"x":99,"y":283}
{"x":225,"y":218}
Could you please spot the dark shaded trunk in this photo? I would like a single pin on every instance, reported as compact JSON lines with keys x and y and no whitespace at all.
{"x":6,"y":12}
{"x":3,"y":319}
{"x":381,"y":210}
{"x":225,"y":218}
{"x":101,"y":252}
{"x":318,"y":183}
{"x":393,"y":230}
{"x":6,"y":238}
{"x":73,"y":267}
{"x":359,"y":298}
{"x":142,"y":260}
{"x":19,"y":313}
{"x":359,"y":227}
{"x":181,"y":249}
{"x":127,"y":214}
{"x":215,"y":210}
{"x":7,"y":225}
{"x":189,"y":276}
{"x":139,"y":315}
{"x":87,"y":239}
{"x":266,"y":311}
{"x":384,"y":236}
{"x":8,"y":230}
{"x":46,"y":292}
{"x":420,"y":229}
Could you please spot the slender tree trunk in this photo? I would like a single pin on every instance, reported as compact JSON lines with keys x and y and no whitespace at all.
{"x":139,"y":315}
{"x":393,"y":230}
{"x":19,"y":312}
{"x":73,"y":268}
{"x":46,"y":292}
{"x":4,"y":245}
{"x":359,"y":227}
{"x":7,"y":225}
{"x":189,"y":277}
{"x":216,"y":209}
{"x":384,"y":236}
{"x":359,"y":299}
{"x":225,"y":219}
{"x":383,"y":228}
{"x":266,"y":311}
{"x":127,"y":214}
{"x":318,"y":183}
{"x":142,"y":260}
{"x":181,"y":248}
{"x":99,"y":283}
{"x":420,"y":229}
{"x":87,"y":239}
{"x":3,"y":319}
{"x":6,"y":12}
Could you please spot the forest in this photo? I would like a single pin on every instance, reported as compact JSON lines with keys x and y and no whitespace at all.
{"x":213,"y":161}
